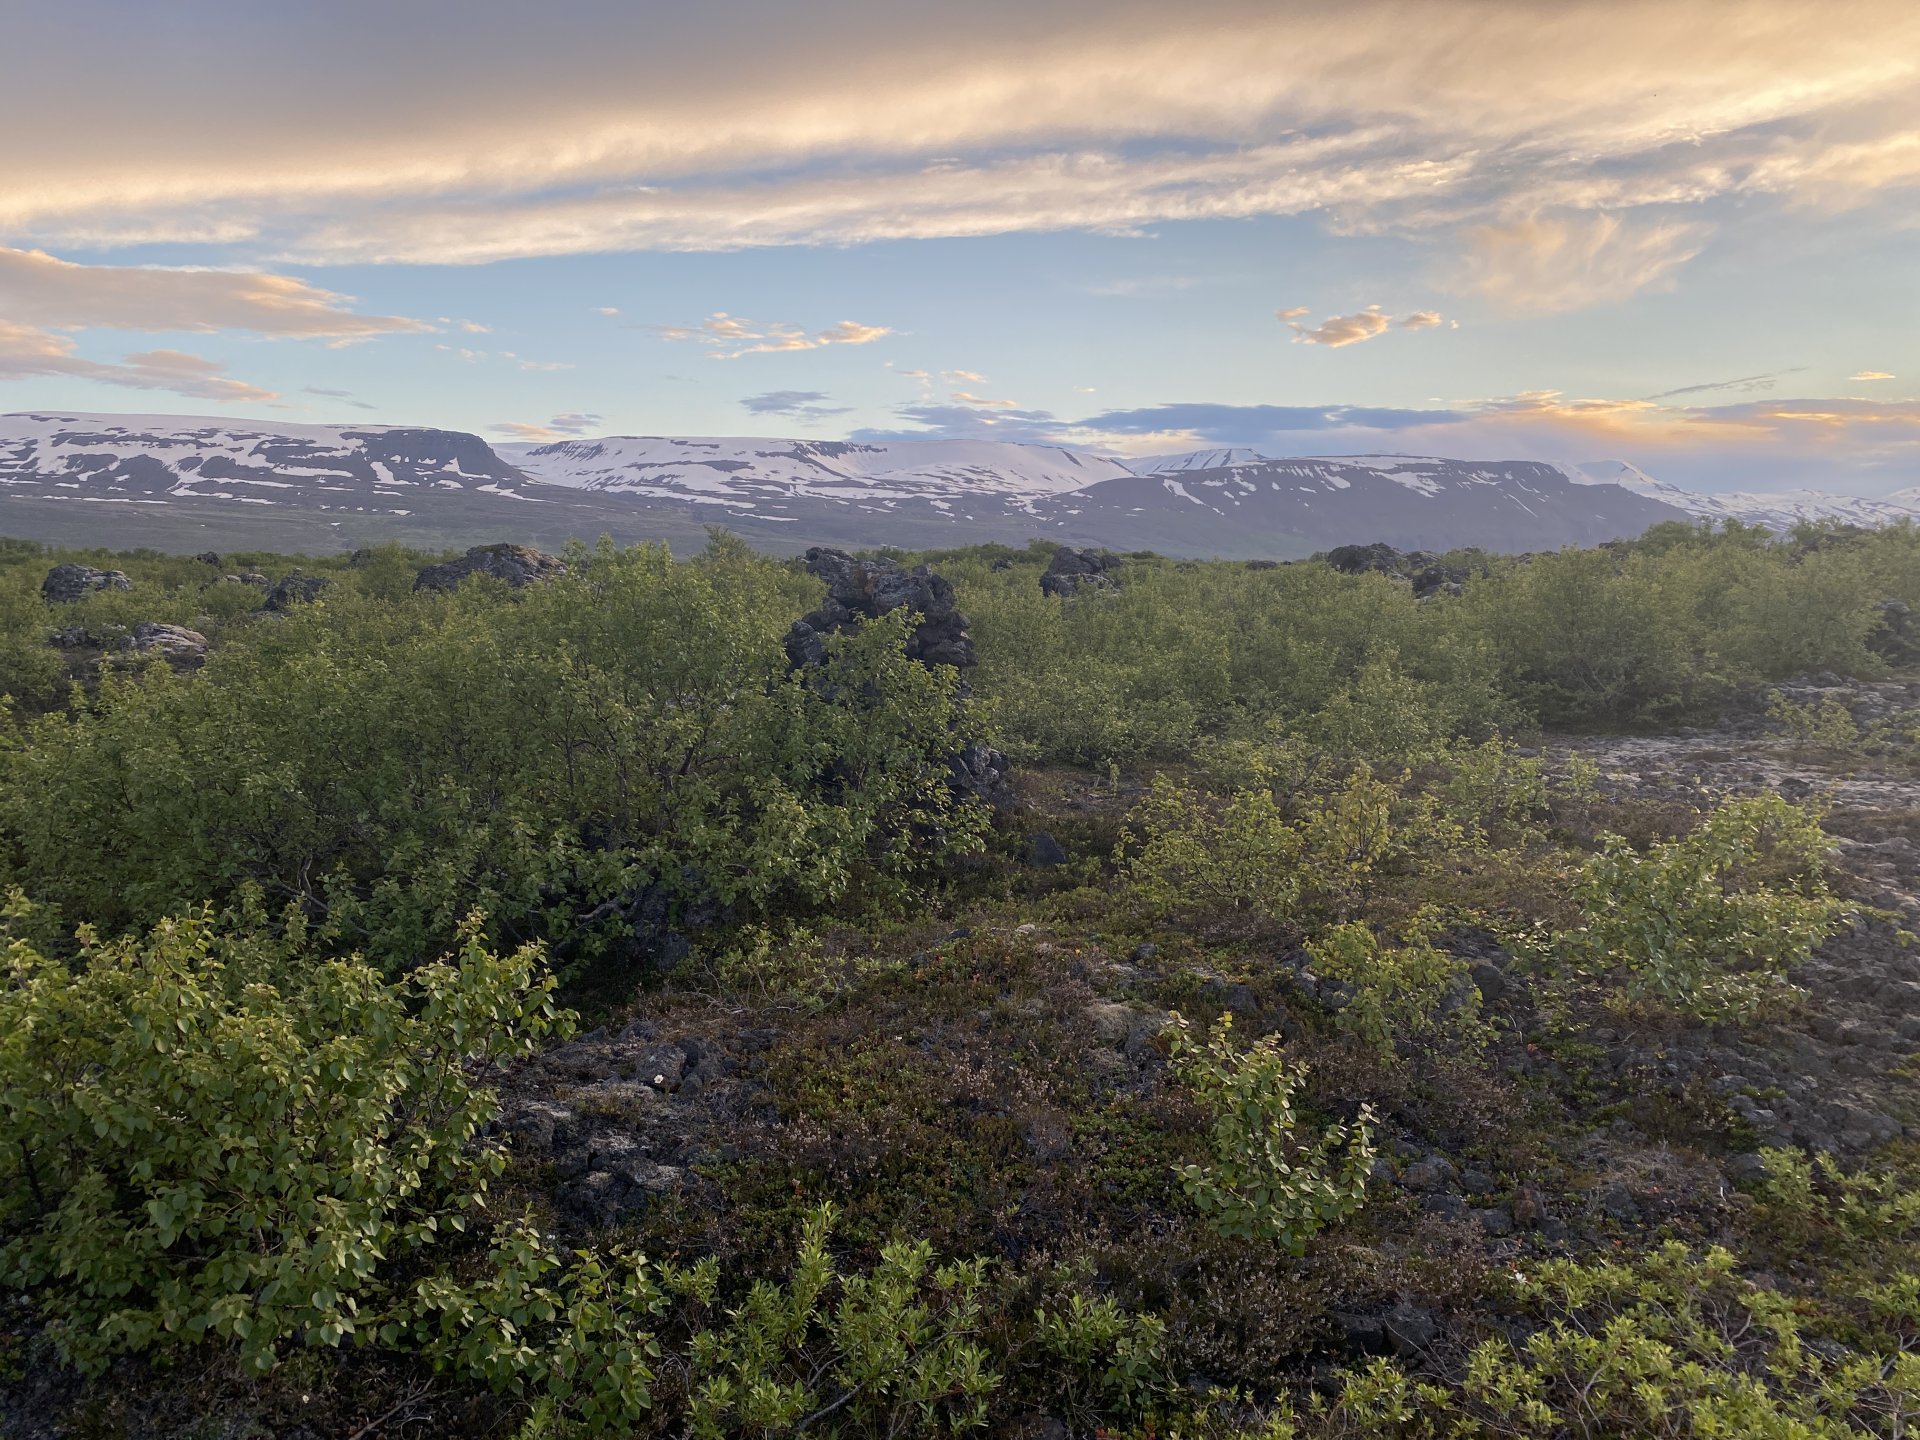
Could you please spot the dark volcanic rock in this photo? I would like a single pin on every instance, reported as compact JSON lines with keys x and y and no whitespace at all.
{"x":66,"y":583}
{"x":1424,"y":572}
{"x":981,"y":771}
{"x":209,"y":557}
{"x":649,"y":924}
{"x":1361,"y":559}
{"x":861,"y":590}
{"x":295,"y":589}
{"x":182,"y":648}
{"x":1071,"y":571}
{"x":1043,"y":851}
{"x":1433,"y":1173}
{"x":518,"y":565}
{"x":1410,"y":1329}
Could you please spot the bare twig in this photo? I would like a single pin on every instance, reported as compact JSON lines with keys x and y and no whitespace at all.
{"x":406,"y":1401}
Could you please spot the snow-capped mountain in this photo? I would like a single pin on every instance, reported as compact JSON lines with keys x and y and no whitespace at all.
{"x":174,"y":459}
{"x":187,"y":481}
{"x":1254,"y":502}
{"x":771,"y":477}
{"x":1777,"y":510}
{"x":1193,"y":460}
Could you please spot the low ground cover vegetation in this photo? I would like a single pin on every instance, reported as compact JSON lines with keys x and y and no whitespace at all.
{"x":726,"y":997}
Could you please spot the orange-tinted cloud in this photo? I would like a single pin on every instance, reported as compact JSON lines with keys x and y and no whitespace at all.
{"x":40,"y":289}
{"x":729,"y":337}
{"x":28,"y":353}
{"x":1338,"y":330}
{"x":643,"y":127}
{"x":1550,"y":264}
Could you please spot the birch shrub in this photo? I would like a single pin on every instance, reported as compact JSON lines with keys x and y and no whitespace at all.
{"x":1268,"y":1181}
{"x":206,"y":1133}
{"x":1709,"y":924}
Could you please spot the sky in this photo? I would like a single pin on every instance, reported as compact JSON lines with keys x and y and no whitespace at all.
{"x":1682,"y":234}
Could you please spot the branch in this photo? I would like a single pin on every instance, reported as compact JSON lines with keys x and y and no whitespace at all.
{"x":819,"y":1414}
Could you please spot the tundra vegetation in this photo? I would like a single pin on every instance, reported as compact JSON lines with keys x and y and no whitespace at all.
{"x":1307,"y":1000}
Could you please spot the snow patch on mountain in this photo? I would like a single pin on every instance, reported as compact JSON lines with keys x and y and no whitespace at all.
{"x":1194,"y":460}
{"x":188,"y":457}
{"x":1777,"y":509}
{"x":1222,"y":500}
{"x":748,"y":472}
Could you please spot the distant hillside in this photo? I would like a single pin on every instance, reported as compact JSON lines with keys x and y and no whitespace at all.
{"x":188,"y":482}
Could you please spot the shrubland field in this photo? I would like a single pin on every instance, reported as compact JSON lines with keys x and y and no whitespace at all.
{"x":1467,"y":995}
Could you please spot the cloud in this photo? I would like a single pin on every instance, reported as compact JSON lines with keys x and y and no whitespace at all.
{"x":969,"y":422}
{"x":1091,"y":189}
{"x":644,"y":127}
{"x":560,"y":427}
{"x":28,"y":353}
{"x":1838,"y":445}
{"x":1546,"y":265}
{"x":1342,"y":329}
{"x":1293,"y":312}
{"x":1846,"y":445}
{"x":40,"y":289}
{"x":954,"y":377}
{"x":1871,"y":375}
{"x":803,"y":405}
{"x":1744,"y":382}
{"x":346,"y":397}
{"x":730,"y":337}
{"x":1216,"y":424}
{"x":606,"y":309}
{"x":852,"y":332}
{"x":474,"y":357}
{"x":966,"y":397}
{"x":1339,"y":330}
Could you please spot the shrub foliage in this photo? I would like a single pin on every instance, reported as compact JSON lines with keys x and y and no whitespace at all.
{"x":208,"y":1132}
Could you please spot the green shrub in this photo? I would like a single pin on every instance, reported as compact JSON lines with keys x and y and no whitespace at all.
{"x":1381,"y":714}
{"x":1490,"y":789}
{"x":1266,"y":1182}
{"x":1708,"y":924}
{"x":1809,"y":1201}
{"x":1671,"y":1345}
{"x":1184,"y":851}
{"x":1102,"y":1358}
{"x":892,"y":1352}
{"x":1678,"y":1345}
{"x":630,"y":735}
{"x":1407,"y":997}
{"x":210,"y":1133}
{"x":572,"y":1335}
{"x":1585,"y":638}
{"x":1828,"y":725}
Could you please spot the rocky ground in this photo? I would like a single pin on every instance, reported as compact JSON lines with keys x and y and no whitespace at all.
{"x":996,"y":1079}
{"x":1840,"y":1075}
{"x":1002,"y":1085}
